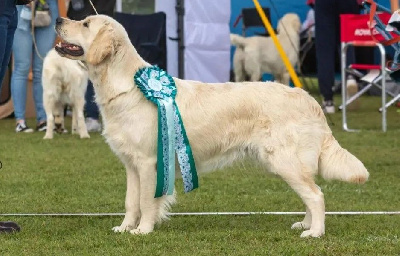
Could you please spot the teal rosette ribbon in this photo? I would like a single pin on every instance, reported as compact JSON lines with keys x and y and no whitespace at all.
{"x":159,"y":87}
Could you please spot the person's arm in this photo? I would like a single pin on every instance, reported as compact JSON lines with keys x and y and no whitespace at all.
{"x":394,"y":4}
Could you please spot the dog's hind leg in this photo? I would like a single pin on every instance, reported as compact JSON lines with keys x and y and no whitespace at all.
{"x":255,"y":74}
{"x":238,"y":65}
{"x":80,"y":118}
{"x":300,"y":179}
{"x":74,"y":124}
{"x":313,"y":198}
{"x":152,"y":209}
{"x":285,"y":79}
{"x":306,"y":223}
{"x":132,"y":201}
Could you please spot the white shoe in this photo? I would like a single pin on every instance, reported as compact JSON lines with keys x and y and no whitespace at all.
{"x":328,"y":106}
{"x":93,"y":125}
{"x":352,"y":89}
{"x":22,"y":127}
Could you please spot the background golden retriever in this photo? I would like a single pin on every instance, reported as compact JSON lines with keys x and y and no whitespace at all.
{"x":64,"y":83}
{"x":282,"y":128}
{"x":257,"y":55}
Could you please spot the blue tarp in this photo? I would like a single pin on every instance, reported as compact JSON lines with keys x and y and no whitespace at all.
{"x":278,"y":8}
{"x":282,"y":7}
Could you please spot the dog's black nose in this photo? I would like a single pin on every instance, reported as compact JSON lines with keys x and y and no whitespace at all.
{"x":59,"y":21}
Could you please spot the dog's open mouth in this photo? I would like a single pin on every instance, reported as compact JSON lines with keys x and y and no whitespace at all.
{"x":64,"y":48}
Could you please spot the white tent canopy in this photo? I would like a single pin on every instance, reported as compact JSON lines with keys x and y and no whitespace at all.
{"x":206,"y":39}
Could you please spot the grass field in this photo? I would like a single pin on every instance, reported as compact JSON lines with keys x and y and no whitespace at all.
{"x":72,"y":176}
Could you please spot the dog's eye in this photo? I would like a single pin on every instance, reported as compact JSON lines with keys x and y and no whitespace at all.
{"x":86,"y":24}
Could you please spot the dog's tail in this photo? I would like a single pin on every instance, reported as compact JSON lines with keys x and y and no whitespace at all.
{"x":337,"y":163}
{"x":238,"y":41}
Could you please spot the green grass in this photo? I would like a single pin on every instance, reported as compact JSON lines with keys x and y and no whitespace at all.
{"x":72,"y":175}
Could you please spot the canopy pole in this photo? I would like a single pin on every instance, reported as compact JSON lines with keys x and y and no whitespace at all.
{"x":284,"y":57}
{"x":180,"y":10}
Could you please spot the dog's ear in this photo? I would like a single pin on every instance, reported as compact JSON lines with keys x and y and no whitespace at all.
{"x":102,"y":46}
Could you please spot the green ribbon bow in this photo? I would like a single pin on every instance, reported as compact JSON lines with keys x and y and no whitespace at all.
{"x":159,"y":87}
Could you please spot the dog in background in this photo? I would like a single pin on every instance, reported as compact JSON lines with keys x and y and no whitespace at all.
{"x":282,"y":128}
{"x":257,"y":55}
{"x":64,"y":83}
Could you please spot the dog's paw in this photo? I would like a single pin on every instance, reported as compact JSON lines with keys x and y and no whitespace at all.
{"x":312,"y":233}
{"x":301,"y":225}
{"x":140,"y":231}
{"x":122,"y":228}
{"x":85,"y":136}
{"x":48,"y":137}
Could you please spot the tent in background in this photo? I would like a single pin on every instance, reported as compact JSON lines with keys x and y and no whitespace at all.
{"x":207,"y":24}
{"x":205,"y":39}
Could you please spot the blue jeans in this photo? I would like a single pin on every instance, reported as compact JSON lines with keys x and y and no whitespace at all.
{"x":8,"y":24}
{"x":24,"y":53}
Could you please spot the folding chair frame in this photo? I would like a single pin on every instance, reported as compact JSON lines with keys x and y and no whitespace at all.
{"x":382,"y":79}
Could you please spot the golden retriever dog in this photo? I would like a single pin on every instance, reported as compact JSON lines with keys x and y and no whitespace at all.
{"x":64,"y":83}
{"x":282,"y":128}
{"x":257,"y":55}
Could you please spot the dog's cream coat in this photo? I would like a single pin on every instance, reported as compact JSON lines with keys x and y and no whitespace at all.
{"x":282,"y":128}
{"x":257,"y":55}
{"x":64,"y":82}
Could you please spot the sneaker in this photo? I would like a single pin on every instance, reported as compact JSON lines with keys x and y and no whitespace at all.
{"x":8,"y":227}
{"x":93,"y":125}
{"x":328,"y":106}
{"x":42,"y":127}
{"x":352,"y":89}
{"x":21,"y":127}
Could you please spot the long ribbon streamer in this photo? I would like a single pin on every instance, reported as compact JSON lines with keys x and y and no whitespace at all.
{"x":159,"y":87}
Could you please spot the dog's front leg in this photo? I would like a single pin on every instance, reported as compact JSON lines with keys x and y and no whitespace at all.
{"x":149,"y":206}
{"x":132,"y":201}
{"x":48,"y":104}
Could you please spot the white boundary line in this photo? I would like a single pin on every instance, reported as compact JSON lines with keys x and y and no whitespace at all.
{"x":197,"y":214}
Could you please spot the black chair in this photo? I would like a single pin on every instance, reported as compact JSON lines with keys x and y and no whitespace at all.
{"x":147,"y":33}
{"x":251,"y":18}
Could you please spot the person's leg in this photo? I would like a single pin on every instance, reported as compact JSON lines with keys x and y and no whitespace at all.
{"x":8,"y":24}
{"x":92,"y":110}
{"x":325,"y":42}
{"x":22,"y":51}
{"x":44,"y":37}
{"x":91,"y":107}
{"x":347,"y":7}
{"x":3,"y":44}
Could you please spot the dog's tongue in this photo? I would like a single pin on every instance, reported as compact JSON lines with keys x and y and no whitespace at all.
{"x":69,"y":46}
{"x":66,"y":48}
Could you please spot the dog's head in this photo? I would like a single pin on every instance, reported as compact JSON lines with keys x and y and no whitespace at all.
{"x":289,"y":21}
{"x":91,"y":40}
